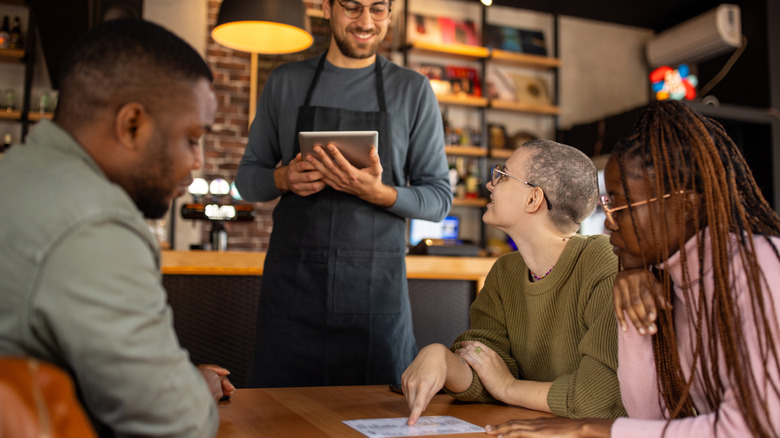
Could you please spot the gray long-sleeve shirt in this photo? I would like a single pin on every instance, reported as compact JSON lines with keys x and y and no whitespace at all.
{"x":420,"y":171}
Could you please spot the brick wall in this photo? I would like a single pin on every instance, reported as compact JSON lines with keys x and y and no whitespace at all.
{"x":225,"y":145}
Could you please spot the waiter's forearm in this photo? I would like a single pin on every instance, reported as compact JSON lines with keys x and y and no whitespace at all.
{"x":280,"y":179}
{"x":382,"y":196}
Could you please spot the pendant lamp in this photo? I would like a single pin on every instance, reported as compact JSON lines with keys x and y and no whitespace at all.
{"x":271,"y":27}
{"x":263,"y":26}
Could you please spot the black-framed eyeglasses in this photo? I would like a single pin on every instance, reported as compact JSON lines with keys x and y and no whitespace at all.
{"x":497,"y":173}
{"x":606,"y":205}
{"x":353,"y":9}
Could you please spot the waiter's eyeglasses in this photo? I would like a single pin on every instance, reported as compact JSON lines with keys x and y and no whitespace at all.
{"x":354,"y":9}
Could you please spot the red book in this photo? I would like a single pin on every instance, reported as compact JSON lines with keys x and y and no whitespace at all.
{"x":464,"y":80}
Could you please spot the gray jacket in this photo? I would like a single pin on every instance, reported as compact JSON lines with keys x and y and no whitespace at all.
{"x":81,"y":288}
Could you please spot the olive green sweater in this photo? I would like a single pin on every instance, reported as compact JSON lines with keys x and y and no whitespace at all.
{"x":561,"y":329}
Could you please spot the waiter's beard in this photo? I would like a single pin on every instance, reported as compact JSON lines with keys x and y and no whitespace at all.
{"x":350,"y":51}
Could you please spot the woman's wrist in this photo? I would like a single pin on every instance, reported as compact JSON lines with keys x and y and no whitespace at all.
{"x":597,"y":428}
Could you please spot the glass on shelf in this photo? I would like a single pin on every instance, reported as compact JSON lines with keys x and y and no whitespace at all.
{"x":46,"y":101}
{"x":9,"y":100}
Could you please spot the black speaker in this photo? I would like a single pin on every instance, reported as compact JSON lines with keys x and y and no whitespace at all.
{"x":105,"y":10}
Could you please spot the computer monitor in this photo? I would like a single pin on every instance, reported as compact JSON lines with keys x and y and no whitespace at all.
{"x":594,"y":224}
{"x":446,"y":229}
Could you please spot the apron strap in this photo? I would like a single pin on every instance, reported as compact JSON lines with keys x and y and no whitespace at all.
{"x":380,"y":87}
{"x":314,"y":80}
{"x":380,"y":83}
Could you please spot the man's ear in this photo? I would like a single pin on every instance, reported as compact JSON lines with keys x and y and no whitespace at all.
{"x":130,"y":123}
{"x":326,"y":9}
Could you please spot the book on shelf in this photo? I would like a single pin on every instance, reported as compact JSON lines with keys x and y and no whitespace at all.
{"x":516,"y":40}
{"x":442,"y":30}
{"x":516,"y":87}
{"x":463,"y":80}
{"x":458,"y":32}
{"x":500,"y":85}
{"x":531,"y":90}
{"x":452,"y":80}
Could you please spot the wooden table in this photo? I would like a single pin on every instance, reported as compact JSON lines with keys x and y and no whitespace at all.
{"x":319,"y":411}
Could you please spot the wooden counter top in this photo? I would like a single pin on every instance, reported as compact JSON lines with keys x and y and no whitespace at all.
{"x":251,"y":263}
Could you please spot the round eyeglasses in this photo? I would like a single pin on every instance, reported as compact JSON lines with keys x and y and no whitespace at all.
{"x":497,"y":173}
{"x":354,"y":9}
{"x":610,"y":212}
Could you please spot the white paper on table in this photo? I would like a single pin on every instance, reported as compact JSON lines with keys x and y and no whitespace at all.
{"x":397,"y":427}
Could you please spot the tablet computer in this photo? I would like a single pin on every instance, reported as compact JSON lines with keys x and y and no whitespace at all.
{"x":354,"y":145}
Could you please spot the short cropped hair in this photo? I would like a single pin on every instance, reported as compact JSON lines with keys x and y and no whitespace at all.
{"x":126,"y":60}
{"x":569,"y":180}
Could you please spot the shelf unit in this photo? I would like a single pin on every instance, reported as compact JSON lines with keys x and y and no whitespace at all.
{"x":25,"y":57}
{"x":484,"y":57}
{"x":12,"y":56}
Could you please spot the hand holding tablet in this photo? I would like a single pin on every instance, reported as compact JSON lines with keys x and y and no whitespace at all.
{"x":354,"y":145}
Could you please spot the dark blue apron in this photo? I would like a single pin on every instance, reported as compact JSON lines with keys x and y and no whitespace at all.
{"x":334,"y":306}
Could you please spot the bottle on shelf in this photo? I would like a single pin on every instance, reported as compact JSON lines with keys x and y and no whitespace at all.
{"x":5,"y":34}
{"x":460,"y":187}
{"x":9,"y":99}
{"x":472,"y":180}
{"x":447,"y":127}
{"x":15,"y":35}
{"x":476,"y":137}
{"x":43,"y":102}
{"x":454,"y":177}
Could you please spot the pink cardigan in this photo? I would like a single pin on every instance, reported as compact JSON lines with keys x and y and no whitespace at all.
{"x":636,"y":370}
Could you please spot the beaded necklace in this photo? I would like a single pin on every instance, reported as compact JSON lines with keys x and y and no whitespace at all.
{"x":545,"y":274}
{"x":549,"y":270}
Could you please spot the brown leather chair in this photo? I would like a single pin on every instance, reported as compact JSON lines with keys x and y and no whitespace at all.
{"x":38,"y":399}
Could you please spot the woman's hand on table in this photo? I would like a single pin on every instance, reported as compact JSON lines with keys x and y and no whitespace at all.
{"x":216,"y":380}
{"x":638,"y":293}
{"x":490,"y":368}
{"x":423,"y":378}
{"x":553,"y":426}
{"x":434,"y":368}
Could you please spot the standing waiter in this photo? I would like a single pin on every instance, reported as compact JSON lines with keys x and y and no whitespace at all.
{"x":334,"y":307}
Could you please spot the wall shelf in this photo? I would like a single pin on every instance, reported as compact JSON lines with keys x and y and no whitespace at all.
{"x":36,"y":116}
{"x":502,"y":154}
{"x":475,"y":115}
{"x":11,"y":115}
{"x":524,"y":60}
{"x":525,"y":107}
{"x":476,"y":53}
{"x":466,"y":151}
{"x":25,"y":57}
{"x":12,"y":55}
{"x":464,"y":100}
{"x":462,"y":51}
{"x":469,"y":202}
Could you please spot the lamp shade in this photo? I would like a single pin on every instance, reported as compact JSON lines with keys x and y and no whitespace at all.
{"x":263,"y":26}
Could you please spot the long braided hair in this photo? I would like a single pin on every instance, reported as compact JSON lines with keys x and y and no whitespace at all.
{"x":681,"y":151}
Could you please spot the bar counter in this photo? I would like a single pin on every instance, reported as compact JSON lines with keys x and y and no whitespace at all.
{"x":214,"y":298}
{"x":251,"y":263}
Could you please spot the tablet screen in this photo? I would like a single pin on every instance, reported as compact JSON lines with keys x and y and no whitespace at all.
{"x":354,"y":145}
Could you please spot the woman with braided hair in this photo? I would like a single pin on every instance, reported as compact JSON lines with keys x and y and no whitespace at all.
{"x":698,"y":244}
